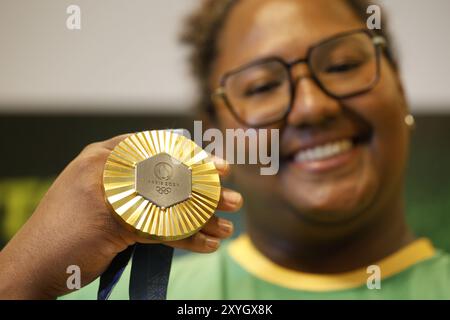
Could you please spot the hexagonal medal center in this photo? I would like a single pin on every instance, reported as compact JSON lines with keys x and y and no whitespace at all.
{"x":163,"y":180}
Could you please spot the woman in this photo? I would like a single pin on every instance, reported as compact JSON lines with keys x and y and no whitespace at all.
{"x":312,"y":70}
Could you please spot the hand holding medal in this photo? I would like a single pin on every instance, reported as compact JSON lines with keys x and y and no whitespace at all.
{"x":74,"y":226}
{"x":163,"y":187}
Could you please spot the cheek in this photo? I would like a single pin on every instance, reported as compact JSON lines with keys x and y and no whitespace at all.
{"x":248,"y":176}
{"x":384,"y":108}
{"x":225,"y":119}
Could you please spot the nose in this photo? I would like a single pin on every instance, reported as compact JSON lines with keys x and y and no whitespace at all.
{"x":311,"y":105}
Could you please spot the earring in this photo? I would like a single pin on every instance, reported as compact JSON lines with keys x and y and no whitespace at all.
{"x":410,"y":121}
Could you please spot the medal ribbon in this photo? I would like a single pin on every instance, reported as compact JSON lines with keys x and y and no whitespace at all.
{"x":150,"y":270}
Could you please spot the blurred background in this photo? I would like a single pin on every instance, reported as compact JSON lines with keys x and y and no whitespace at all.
{"x":125,"y":71}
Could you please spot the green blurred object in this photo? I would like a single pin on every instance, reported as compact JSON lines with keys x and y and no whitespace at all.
{"x":18,"y":199}
{"x":428,"y":181}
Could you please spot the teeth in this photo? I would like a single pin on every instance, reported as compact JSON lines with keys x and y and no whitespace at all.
{"x":324,"y":151}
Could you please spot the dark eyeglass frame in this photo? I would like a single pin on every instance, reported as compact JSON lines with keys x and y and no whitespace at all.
{"x":378,"y":41}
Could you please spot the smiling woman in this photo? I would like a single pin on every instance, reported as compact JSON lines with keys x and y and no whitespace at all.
{"x":344,"y":142}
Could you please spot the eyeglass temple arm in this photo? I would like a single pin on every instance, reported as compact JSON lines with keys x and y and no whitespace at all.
{"x":379,"y":41}
{"x":219,"y":92}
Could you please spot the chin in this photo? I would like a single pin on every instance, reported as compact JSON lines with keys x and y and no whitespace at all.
{"x":334,"y":190}
{"x":336,"y":201}
{"x":330,"y":213}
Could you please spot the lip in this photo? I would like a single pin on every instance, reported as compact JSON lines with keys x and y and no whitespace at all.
{"x":359,"y":138}
{"x":309,"y":142}
{"x":330,"y":164}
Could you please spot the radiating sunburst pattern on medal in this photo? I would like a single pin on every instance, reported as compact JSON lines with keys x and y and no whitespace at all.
{"x":178,"y":221}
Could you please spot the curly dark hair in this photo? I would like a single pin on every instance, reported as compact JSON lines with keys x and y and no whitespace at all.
{"x":203,"y":26}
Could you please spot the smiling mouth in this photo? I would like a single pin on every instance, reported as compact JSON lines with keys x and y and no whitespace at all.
{"x":323,"y":152}
{"x":329,"y":150}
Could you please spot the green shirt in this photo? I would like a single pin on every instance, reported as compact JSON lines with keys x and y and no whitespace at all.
{"x":239,"y":271}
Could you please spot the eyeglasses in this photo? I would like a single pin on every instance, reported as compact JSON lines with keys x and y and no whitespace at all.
{"x":262,"y":92}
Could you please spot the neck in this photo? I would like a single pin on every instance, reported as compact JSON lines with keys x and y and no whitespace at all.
{"x":386,"y":234}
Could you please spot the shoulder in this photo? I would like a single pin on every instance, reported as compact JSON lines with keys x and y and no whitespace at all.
{"x":428,"y":279}
{"x":436,"y":268}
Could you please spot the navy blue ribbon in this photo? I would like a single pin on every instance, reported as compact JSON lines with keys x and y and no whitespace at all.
{"x":150,"y":272}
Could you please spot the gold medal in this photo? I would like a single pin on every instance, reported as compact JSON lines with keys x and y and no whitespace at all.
{"x":161,"y":185}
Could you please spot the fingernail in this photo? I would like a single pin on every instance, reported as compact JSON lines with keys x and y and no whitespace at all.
{"x":226,"y":225}
{"x":220,"y":164}
{"x":212,"y":243}
{"x":235,"y":198}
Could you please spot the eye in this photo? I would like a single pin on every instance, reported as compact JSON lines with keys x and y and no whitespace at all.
{"x":262,"y":88}
{"x":343,"y":67}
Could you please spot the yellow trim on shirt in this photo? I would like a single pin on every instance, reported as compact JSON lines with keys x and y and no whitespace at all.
{"x":245,"y":254}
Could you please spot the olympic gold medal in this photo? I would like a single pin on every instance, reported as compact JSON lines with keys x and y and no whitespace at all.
{"x":161,"y":185}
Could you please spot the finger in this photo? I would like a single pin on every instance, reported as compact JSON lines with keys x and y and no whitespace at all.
{"x":230,"y":200}
{"x":218,"y":228}
{"x":214,"y":230}
{"x":199,"y":242}
{"x":113,"y":142}
{"x":222,"y":166}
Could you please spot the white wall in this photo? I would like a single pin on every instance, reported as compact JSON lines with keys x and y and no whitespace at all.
{"x":422,"y":32}
{"x":127,"y":58}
